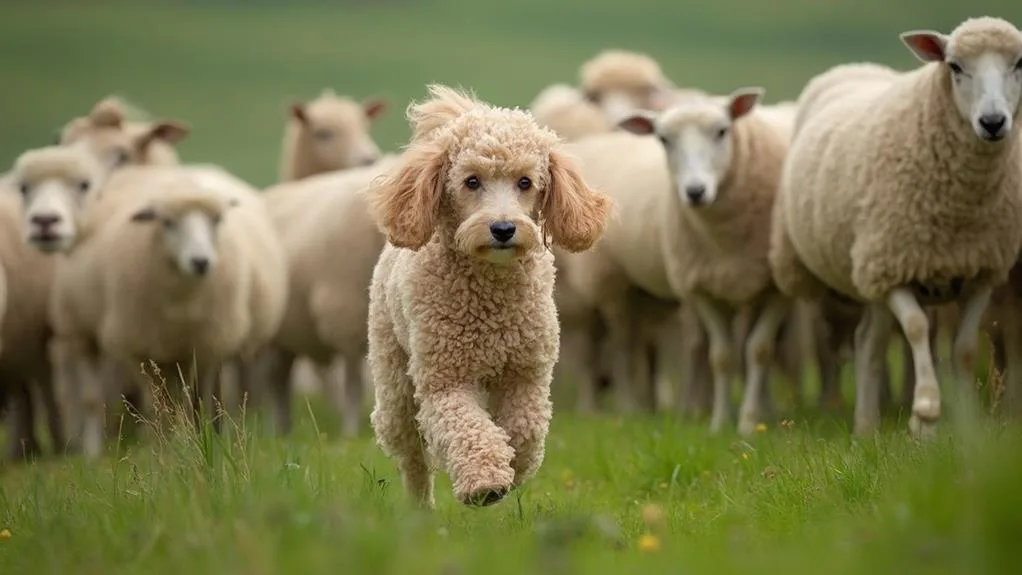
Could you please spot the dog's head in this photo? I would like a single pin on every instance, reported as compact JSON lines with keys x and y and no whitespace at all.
{"x":489,"y":180}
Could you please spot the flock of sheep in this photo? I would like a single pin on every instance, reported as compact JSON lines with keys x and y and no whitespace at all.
{"x":738,"y":228}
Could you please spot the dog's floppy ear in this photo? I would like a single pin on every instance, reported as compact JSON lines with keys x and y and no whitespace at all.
{"x":573,"y":213}
{"x":406,"y":202}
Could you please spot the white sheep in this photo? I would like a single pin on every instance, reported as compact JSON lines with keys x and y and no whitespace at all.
{"x":906,"y":192}
{"x":725,"y":164}
{"x":151,"y":272}
{"x":328,"y":133}
{"x":318,"y":218}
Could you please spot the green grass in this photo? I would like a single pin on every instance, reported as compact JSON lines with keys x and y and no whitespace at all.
{"x":804,"y":499}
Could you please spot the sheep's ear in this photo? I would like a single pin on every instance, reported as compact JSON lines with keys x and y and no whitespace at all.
{"x":639,"y":123}
{"x":146,"y":214}
{"x":927,"y":45}
{"x":169,"y":131}
{"x":743,"y":100}
{"x":374,"y":107}
{"x":297,"y":111}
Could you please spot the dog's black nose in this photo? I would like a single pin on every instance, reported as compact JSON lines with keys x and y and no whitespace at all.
{"x":502,"y":231}
{"x":695,"y":192}
{"x":200,"y":265}
{"x":992,"y":123}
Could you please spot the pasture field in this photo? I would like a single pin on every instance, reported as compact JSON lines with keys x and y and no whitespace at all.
{"x":616,"y":494}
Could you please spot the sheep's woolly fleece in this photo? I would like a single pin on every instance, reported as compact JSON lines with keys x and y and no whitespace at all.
{"x":890,"y":185}
{"x":621,"y":70}
{"x":67,"y":164}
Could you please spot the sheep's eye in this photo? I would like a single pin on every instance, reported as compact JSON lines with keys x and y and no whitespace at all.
{"x":592,"y":97}
{"x":664,"y":140}
{"x":23,"y":188}
{"x":121,"y":157}
{"x":84,"y":185}
{"x":168,"y":224}
{"x":322,"y":135}
{"x":216,"y":220}
{"x":472,"y":183}
{"x":524,"y":183}
{"x":721,"y":133}
{"x":954,"y":67}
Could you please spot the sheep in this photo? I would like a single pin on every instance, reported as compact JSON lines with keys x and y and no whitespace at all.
{"x":151,"y":272}
{"x":328,"y":299}
{"x":463,"y":331}
{"x":328,"y":133}
{"x":905,"y":193}
{"x":724,"y":164}
{"x":108,"y":134}
{"x":620,"y":81}
{"x":567,"y":111}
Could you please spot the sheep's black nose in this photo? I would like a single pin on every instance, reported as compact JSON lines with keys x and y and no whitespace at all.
{"x":200,"y":265}
{"x":45,"y":220}
{"x":992,"y":123}
{"x":695,"y":193}
{"x":502,"y":231}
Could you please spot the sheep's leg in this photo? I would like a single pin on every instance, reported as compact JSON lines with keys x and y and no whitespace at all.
{"x":872,"y":335}
{"x":759,"y":351}
{"x":916,"y":327}
{"x":21,"y":439}
{"x":619,"y":342}
{"x":54,"y":421}
{"x":275,"y":364}
{"x":394,"y":412}
{"x":718,"y":327}
{"x":577,"y":360}
{"x":828,"y":364}
{"x":522,"y":408}
{"x":351,"y":397}
{"x":1011,"y":346}
{"x":696,"y":397}
{"x":93,"y":395}
{"x":206,"y":403}
{"x":965,"y":349}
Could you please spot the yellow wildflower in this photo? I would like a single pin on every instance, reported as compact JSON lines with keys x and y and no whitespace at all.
{"x":761,"y":427}
{"x":649,"y":542}
{"x":5,"y":534}
{"x":745,"y":455}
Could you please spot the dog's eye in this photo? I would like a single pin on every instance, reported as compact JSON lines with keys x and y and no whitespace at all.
{"x":954,"y":67}
{"x":472,"y":183}
{"x":84,"y":185}
{"x":721,"y":133}
{"x":524,"y":183}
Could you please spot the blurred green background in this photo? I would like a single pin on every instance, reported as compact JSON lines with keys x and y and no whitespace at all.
{"x":228,"y":67}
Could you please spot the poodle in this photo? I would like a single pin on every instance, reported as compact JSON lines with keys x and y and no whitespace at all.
{"x":463,"y":332}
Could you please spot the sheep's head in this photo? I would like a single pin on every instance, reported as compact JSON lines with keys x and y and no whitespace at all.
{"x":983,"y":58}
{"x":187,"y":223}
{"x":697,"y":138}
{"x":55,"y":182}
{"x":117,"y":142}
{"x":337,"y":129}
{"x":620,"y":82}
{"x":489,"y":180}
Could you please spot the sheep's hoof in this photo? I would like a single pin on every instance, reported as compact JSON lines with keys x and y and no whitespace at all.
{"x":921,"y":429}
{"x":486,"y":496}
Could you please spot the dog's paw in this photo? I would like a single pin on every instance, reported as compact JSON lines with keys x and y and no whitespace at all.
{"x":485,"y":497}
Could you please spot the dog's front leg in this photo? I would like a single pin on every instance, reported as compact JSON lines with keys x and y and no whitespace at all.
{"x":523,"y":409}
{"x":459,"y":432}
